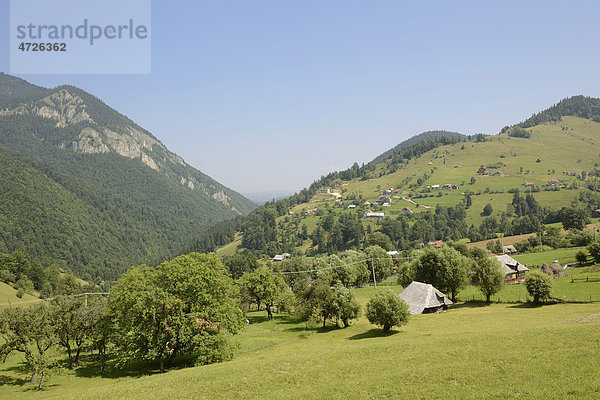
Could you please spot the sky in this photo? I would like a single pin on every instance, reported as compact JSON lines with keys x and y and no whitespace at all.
{"x":270,"y":95}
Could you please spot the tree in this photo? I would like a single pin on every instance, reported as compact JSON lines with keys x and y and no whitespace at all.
{"x":380,"y":239}
{"x":316,"y":302}
{"x":237,"y":264}
{"x":380,"y":260}
{"x":538,"y":285}
{"x":344,"y":304}
{"x":581,"y":257}
{"x":264,"y":286}
{"x":594,"y":250}
{"x":575,"y":218}
{"x":487,"y":210}
{"x":28,"y":330}
{"x":69,"y":327}
{"x":489,"y":276}
{"x":182,"y":306}
{"x":445,"y":268}
{"x":387,"y":310}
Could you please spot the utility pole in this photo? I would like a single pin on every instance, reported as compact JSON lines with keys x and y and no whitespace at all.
{"x":373,"y":269}
{"x":541,"y":249}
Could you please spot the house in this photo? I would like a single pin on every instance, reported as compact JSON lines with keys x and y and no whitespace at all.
{"x":435,"y":186}
{"x":352,"y":206}
{"x":454,"y":187}
{"x":290,"y":213}
{"x":514,"y":271}
{"x":423,"y":298}
{"x":510,"y":249}
{"x":447,"y":186}
{"x":482,"y":170}
{"x":281,"y":257}
{"x":386,"y":204}
{"x":553,"y":182}
{"x":384,"y":197}
{"x":435,"y":243}
{"x":371,"y":214}
{"x":311,"y":212}
{"x":407,"y":210}
{"x":325,"y":189}
{"x":528,"y":184}
{"x":393,"y":253}
{"x":366,"y":203}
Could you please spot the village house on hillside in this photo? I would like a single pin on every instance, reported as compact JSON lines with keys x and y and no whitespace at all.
{"x":325,"y":189}
{"x":510,"y":249}
{"x":423,"y":298}
{"x":281,"y":257}
{"x":407,"y":210}
{"x":371,"y":214}
{"x":528,"y":184}
{"x":552,"y":182}
{"x":514,"y":271}
{"x":384,"y":198}
{"x":352,"y":206}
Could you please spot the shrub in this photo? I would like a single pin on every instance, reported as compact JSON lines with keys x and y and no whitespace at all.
{"x":387,"y":310}
{"x":594,"y":249}
{"x":538,"y":285}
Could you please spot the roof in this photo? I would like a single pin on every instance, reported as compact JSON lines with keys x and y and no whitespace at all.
{"x":393,"y":253}
{"x":511,"y":265}
{"x":420,"y":296}
{"x":509,"y":249}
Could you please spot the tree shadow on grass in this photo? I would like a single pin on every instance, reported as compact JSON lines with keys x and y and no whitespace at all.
{"x":534,"y":305}
{"x":470,"y":304}
{"x":373,"y":333}
{"x":6,"y":380}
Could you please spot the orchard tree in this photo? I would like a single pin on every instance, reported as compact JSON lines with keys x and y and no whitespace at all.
{"x":316,"y":302}
{"x":264,"y":286}
{"x":182,"y":306}
{"x":489,"y":276}
{"x":538,"y":285}
{"x":581,"y":257}
{"x":445,"y":268}
{"x":237,"y":264}
{"x":380,"y":239}
{"x":344,"y":304}
{"x":356,"y":267}
{"x":387,"y":310}
{"x":67,"y":316}
{"x":28,"y":330}
{"x":380,"y":260}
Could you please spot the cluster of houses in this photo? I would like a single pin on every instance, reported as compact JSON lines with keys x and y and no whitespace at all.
{"x":444,"y":186}
{"x":372,"y":214}
{"x":551,"y":182}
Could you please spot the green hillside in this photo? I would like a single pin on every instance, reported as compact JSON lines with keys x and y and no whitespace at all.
{"x":472,"y":351}
{"x":554,"y":166}
{"x":85,"y":187}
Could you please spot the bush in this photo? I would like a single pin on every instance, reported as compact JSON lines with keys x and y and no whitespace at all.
{"x":538,"y":285}
{"x":387,"y":310}
{"x":581,"y":257}
{"x":594,"y":249}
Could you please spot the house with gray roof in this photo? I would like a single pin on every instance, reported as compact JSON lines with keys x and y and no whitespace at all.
{"x":514,"y":271}
{"x":423,"y":298}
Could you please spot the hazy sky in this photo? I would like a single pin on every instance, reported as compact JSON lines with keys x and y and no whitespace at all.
{"x":269,"y":95}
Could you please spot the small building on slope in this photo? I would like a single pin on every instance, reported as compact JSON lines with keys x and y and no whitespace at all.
{"x":423,"y":298}
{"x":514,"y":271}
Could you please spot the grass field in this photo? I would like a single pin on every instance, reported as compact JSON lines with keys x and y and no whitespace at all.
{"x":8,"y":295}
{"x":471,"y":351}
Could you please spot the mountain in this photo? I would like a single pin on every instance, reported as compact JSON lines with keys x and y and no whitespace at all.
{"x":436,"y":186}
{"x":419,"y":138}
{"x":84,"y":186}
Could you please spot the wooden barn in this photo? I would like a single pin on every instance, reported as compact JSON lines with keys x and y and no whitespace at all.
{"x":423,"y":298}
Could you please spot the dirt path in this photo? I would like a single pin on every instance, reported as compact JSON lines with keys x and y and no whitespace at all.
{"x":414,"y":202}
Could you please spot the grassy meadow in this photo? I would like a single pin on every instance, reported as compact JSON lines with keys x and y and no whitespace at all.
{"x":471,"y":351}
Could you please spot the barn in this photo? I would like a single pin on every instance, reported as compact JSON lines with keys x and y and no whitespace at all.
{"x":423,"y":298}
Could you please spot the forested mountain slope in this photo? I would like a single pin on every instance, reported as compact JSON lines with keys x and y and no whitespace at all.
{"x":85,"y":186}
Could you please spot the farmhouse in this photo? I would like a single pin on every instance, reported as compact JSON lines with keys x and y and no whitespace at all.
{"x":553,"y":182}
{"x":371,"y":214}
{"x":435,"y":243}
{"x":407,"y":210}
{"x":281,"y":257}
{"x":384,"y":197}
{"x":325,"y":189}
{"x":423,"y":298}
{"x":352,"y":206}
{"x":528,"y":184}
{"x":510,"y":249}
{"x":435,"y":186}
{"x":514,"y":271}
